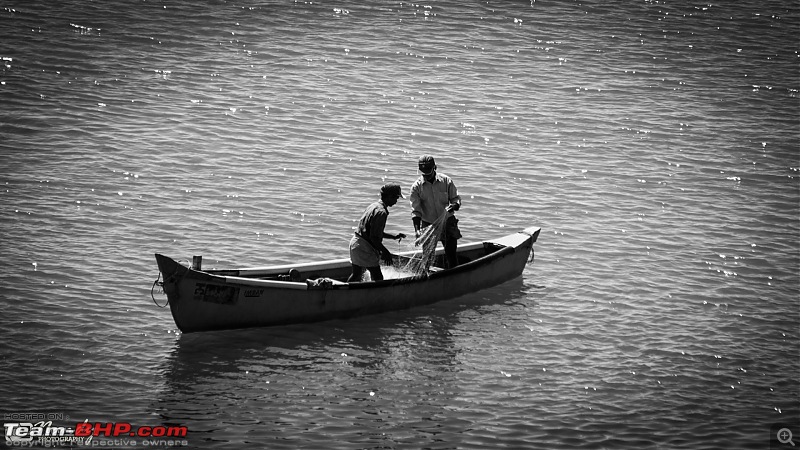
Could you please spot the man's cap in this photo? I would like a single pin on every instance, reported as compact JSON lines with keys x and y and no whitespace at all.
{"x":391,"y":189}
{"x":427,"y":164}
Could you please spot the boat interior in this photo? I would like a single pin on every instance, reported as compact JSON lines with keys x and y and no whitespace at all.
{"x":338,"y":271}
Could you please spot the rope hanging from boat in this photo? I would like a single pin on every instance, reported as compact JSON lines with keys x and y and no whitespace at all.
{"x":160,"y":284}
{"x":171,"y":279}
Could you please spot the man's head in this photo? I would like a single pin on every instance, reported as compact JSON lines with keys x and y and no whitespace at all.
{"x":390,"y":192}
{"x":427,"y":166}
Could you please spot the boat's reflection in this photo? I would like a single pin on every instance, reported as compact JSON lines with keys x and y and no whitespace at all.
{"x":304,"y":346}
{"x":401,"y":352}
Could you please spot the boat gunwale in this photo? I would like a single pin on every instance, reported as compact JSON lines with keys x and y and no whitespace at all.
{"x":357,"y":285}
{"x":226,"y":276}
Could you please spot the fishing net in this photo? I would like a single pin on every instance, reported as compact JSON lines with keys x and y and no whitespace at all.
{"x":421,"y":261}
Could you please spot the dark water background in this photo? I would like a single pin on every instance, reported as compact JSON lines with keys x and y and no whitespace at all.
{"x":656,"y":144}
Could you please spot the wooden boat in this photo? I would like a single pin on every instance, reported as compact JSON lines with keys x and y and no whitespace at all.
{"x":203,"y":300}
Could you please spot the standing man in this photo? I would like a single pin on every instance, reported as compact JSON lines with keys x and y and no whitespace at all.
{"x":366,"y":247}
{"x":432,"y":195}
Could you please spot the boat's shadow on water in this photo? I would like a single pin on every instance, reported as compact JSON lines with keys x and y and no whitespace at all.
{"x":208,"y":371}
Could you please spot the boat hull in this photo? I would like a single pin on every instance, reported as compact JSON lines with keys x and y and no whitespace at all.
{"x":225,"y":299}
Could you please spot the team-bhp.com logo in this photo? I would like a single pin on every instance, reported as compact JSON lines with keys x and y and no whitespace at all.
{"x":44,"y":433}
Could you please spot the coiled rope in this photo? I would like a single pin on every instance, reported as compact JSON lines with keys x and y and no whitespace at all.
{"x":159,"y":283}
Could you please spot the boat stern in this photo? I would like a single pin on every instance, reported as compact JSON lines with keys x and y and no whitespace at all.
{"x":522,"y":238}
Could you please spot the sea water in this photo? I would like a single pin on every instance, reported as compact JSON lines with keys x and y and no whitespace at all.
{"x":655,"y":143}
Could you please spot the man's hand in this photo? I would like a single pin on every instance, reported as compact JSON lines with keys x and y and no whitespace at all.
{"x":399,"y":237}
{"x":387,"y":258}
